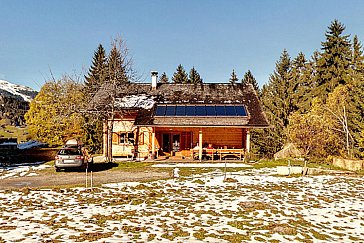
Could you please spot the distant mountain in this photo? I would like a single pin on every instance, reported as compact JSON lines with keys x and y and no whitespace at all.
{"x":14,"y":102}
{"x":17,"y":91}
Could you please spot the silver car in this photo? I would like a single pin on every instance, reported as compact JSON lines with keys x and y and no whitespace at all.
{"x":71,"y":157}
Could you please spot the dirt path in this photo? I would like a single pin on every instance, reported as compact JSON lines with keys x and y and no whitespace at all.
{"x":78,"y":178}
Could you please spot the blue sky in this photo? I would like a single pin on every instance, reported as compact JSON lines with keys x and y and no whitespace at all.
{"x":213,"y":36}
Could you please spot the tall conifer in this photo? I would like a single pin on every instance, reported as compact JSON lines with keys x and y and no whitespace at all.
{"x":334,"y":62}
{"x":180,"y":76}
{"x":233,"y":78}
{"x":249,"y":79}
{"x":97,"y":73}
{"x":163,"y":79}
{"x":357,"y":58}
{"x":194,"y":77}
{"x":277,"y":106}
{"x":117,"y":72}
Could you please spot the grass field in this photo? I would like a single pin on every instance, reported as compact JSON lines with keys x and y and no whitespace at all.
{"x":20,"y":133}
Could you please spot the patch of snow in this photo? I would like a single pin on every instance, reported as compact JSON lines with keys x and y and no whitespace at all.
{"x":30,"y":144}
{"x":8,"y":143}
{"x":135,"y":101}
{"x":21,"y":170}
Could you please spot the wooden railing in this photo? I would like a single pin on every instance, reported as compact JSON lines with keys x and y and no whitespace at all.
{"x":218,"y":153}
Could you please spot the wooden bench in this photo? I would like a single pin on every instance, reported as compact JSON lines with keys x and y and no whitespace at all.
{"x":220,"y":153}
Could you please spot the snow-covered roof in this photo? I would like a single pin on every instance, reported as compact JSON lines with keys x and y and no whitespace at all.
{"x":136,"y":101}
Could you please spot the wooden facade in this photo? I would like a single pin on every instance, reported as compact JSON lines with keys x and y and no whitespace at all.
{"x":150,"y":142}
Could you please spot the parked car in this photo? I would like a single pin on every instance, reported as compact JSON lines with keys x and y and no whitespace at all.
{"x":72,"y":156}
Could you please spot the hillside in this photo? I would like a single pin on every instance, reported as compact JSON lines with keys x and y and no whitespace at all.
{"x":14,"y":102}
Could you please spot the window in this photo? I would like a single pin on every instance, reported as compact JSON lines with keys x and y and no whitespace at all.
{"x":141,"y":138}
{"x":127,"y":138}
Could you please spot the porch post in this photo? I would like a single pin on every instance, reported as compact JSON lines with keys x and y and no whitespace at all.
{"x":153,"y":142}
{"x":200,"y":145}
{"x":104,"y":139}
{"x":247,"y":145}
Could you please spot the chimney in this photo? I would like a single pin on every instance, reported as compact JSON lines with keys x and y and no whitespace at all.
{"x":154,"y":79}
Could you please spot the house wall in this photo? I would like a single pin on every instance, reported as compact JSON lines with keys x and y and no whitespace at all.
{"x":218,"y":137}
{"x":139,"y":147}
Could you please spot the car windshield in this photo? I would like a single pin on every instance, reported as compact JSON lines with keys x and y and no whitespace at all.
{"x":69,"y":151}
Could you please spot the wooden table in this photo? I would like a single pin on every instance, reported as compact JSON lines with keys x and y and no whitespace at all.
{"x":220,"y":153}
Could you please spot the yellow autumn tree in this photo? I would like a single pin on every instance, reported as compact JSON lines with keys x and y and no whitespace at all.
{"x":55,"y":113}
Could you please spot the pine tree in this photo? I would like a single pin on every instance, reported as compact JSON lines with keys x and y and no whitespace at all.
{"x":97,"y":73}
{"x":233,"y":78}
{"x":333,"y":64}
{"x":300,"y":85}
{"x":357,"y":58}
{"x":277,"y":106}
{"x":163,"y":79}
{"x":180,"y":76}
{"x":249,"y":79}
{"x":194,"y":77}
{"x":117,"y":72}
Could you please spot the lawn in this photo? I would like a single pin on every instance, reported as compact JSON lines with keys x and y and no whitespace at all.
{"x":20,"y":133}
{"x":253,"y":205}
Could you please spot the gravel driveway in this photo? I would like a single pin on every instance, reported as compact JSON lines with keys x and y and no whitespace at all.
{"x":36,"y":176}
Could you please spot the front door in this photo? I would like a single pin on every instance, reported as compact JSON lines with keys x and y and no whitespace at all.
{"x":171,"y":142}
{"x":166,"y":144}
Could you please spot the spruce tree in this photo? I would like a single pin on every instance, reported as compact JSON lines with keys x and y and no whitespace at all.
{"x":233,"y":78}
{"x":180,"y":76}
{"x":357,"y":56}
{"x":97,"y":73}
{"x":194,"y":77}
{"x":117,"y":72}
{"x":300,"y":85}
{"x":277,"y":106}
{"x":249,"y":79}
{"x":334,"y":62}
{"x":163,"y":78}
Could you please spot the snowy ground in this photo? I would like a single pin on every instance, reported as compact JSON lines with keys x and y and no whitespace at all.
{"x":252,"y":205}
{"x":20,"y":170}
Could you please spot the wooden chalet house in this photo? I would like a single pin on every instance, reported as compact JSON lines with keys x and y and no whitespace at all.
{"x":181,"y":120}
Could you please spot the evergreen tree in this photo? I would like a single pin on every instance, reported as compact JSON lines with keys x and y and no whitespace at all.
{"x":357,"y":58}
{"x":277,"y":106}
{"x":233,"y":78}
{"x":249,"y":79}
{"x":180,"y":76}
{"x":163,"y":78}
{"x":300,"y":85}
{"x":194,"y":77}
{"x":97,"y":73}
{"x":117,"y":72}
{"x":333,"y":64}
